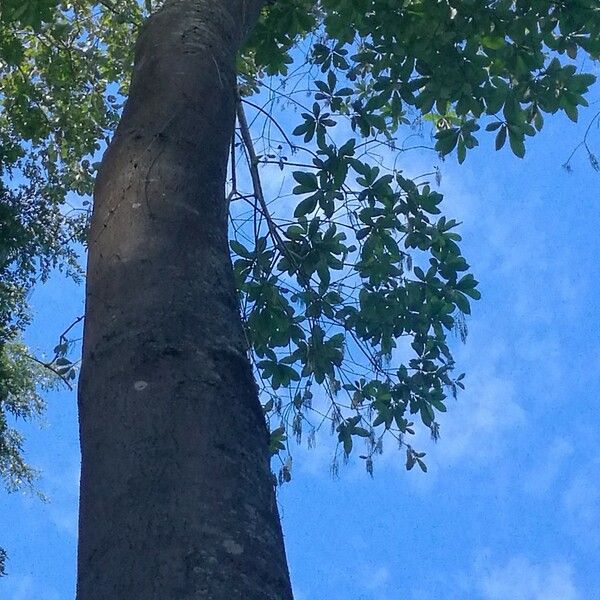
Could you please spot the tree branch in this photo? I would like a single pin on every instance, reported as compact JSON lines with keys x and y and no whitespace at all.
{"x":253,"y":163}
{"x":273,"y":120}
{"x":51,"y":369}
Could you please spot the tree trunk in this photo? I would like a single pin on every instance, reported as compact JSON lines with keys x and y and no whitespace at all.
{"x":177,"y":498}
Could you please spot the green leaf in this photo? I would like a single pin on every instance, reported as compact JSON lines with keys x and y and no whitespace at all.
{"x":277,"y":440}
{"x":447,"y":140}
{"x":494,"y":43}
{"x":240,"y":249}
{"x":461,"y":302}
{"x":307,"y":206}
{"x":501,"y":137}
{"x":517,"y":144}
{"x":410,"y":459}
{"x":308,"y":182}
{"x":422,"y":465}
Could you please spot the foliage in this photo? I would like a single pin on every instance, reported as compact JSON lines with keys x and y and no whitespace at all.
{"x":34,"y":240}
{"x":356,"y":289}
{"x":20,"y":382}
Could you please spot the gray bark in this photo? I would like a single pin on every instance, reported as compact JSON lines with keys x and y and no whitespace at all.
{"x":177,"y":499}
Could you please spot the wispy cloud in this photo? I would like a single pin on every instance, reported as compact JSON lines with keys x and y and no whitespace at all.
{"x":581,"y":500}
{"x":522,"y":579}
{"x":478,"y":428}
{"x":377,"y":578}
{"x":549,"y":469}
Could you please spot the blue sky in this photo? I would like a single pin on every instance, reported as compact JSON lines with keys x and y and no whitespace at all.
{"x":510,"y":507}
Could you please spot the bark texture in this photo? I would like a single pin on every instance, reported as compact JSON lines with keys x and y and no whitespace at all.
{"x":177,"y":500}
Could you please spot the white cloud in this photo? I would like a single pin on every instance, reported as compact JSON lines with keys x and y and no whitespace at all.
{"x":546,"y":473}
{"x":581,"y":500}
{"x":522,"y":579}
{"x":377,"y":578}
{"x":481,"y":422}
{"x":475,"y":431}
{"x":315,"y":461}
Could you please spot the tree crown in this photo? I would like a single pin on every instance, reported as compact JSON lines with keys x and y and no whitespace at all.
{"x":356,"y":288}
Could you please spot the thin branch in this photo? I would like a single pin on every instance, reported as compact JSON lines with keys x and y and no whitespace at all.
{"x":254,"y":174}
{"x":584,"y":143}
{"x":50,"y":368}
{"x":233,"y":191}
{"x":62,"y":339}
{"x":110,"y":6}
{"x":285,"y":163}
{"x":273,"y":120}
{"x":73,"y":324}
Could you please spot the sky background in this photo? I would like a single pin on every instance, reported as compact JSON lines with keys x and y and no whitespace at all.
{"x":511,"y":505}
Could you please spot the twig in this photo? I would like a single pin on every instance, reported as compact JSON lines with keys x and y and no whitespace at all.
{"x":254,"y":174}
{"x":233,"y":191}
{"x":110,"y":6}
{"x":272,"y":119}
{"x":584,"y":143}
{"x":286,"y":163}
{"x":75,"y":322}
{"x":62,"y":339}
{"x":50,"y":368}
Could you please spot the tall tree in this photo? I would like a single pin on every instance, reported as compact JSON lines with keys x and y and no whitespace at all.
{"x":177,"y":496}
{"x":164,"y":341}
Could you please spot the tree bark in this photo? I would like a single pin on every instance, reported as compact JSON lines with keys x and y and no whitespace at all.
{"x":177,"y":498}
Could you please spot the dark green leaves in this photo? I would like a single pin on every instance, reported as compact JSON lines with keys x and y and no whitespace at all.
{"x":280,"y":374}
{"x":349,"y":428}
{"x":494,"y":73}
{"x":485,"y":59}
{"x":27,"y":13}
{"x":315,"y":123}
{"x":277,"y":440}
{"x":415,"y":458}
{"x":346,"y":284}
{"x":517,"y":144}
{"x":281,"y":27}
{"x":308,"y":182}
{"x":307,"y":206}
{"x":447,"y":140}
{"x":501,"y":136}
{"x":20,"y":377}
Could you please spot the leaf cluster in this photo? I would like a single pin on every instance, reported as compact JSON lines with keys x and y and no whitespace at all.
{"x":334,"y":298}
{"x":368,"y":273}
{"x":20,"y":383}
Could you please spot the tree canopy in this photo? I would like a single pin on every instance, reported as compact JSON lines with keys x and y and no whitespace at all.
{"x":354,"y":281}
